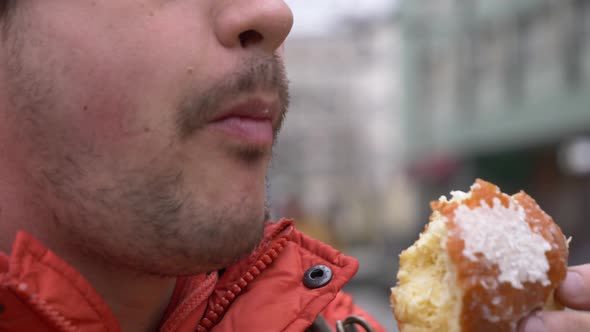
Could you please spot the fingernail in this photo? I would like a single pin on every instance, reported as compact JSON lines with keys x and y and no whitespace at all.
{"x":533,"y":324}
{"x":573,"y":285}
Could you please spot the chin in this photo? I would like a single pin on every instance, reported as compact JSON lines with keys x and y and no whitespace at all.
{"x":223,"y":239}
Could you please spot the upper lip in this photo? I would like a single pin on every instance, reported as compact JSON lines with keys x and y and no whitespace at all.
{"x":253,"y":108}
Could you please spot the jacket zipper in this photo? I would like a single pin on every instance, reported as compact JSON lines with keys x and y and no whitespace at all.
{"x":214,"y":313}
{"x":60,"y":322}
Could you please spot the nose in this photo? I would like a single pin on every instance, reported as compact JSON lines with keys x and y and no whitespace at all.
{"x":262,"y":24}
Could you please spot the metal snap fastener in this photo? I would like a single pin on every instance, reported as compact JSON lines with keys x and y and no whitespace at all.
{"x":317,"y":276}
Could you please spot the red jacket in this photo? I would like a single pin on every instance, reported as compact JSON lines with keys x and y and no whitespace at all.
{"x":264,"y":292}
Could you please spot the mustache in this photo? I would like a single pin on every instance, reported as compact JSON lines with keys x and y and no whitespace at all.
{"x":266,"y":73}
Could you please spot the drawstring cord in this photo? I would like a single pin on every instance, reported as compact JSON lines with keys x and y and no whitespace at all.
{"x":348,"y":325}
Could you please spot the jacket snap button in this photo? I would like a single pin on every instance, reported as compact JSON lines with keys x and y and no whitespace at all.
{"x":317,"y":276}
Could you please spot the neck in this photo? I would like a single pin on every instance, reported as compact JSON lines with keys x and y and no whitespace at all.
{"x":137,"y":301}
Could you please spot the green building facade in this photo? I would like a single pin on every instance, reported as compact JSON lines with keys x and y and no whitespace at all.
{"x":483,"y":76}
{"x":496,"y":89}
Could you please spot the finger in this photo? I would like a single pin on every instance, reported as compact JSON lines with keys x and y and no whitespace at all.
{"x":556,"y":321}
{"x":574,"y":292}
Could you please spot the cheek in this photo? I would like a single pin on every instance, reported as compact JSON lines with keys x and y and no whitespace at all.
{"x":102,"y":113}
{"x":109,"y":100}
{"x":123,"y":76}
{"x":116,"y":81}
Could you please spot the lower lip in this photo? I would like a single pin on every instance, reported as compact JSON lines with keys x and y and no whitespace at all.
{"x":246,"y":130}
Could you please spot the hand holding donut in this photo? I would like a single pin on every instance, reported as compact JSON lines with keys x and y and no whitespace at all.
{"x":574,"y":293}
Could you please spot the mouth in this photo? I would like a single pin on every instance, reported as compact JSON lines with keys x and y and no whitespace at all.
{"x":252,"y":122}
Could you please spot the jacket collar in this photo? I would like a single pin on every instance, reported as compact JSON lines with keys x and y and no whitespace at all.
{"x":37,"y":281}
{"x":33,"y":279}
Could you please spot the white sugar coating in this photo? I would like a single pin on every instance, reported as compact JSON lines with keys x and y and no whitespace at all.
{"x":460,"y":196}
{"x":502,"y":235}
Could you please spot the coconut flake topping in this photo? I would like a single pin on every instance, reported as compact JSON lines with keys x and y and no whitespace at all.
{"x":504,"y":238}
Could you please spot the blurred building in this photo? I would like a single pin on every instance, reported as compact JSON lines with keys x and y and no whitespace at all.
{"x":501,"y":90}
{"x":337,"y":167}
{"x":338,"y":151}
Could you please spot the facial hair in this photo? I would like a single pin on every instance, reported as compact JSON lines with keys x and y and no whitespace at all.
{"x":144,"y":219}
{"x":266,"y":73}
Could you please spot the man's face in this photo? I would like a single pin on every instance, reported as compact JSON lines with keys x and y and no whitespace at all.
{"x":147,"y":126}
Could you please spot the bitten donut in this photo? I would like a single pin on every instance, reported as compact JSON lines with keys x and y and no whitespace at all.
{"x":485,"y":261}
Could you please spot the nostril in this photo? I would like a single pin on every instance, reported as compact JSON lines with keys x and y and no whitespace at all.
{"x":250,"y":37}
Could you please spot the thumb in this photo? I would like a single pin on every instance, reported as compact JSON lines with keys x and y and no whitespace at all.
{"x":554,"y":321}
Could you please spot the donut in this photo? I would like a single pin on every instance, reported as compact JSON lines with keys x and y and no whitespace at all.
{"x":483,"y":262}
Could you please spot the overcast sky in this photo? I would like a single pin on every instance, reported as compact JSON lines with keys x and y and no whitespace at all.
{"x":317,"y":17}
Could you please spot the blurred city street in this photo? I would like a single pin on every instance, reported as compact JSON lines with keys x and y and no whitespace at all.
{"x":395,"y":103}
